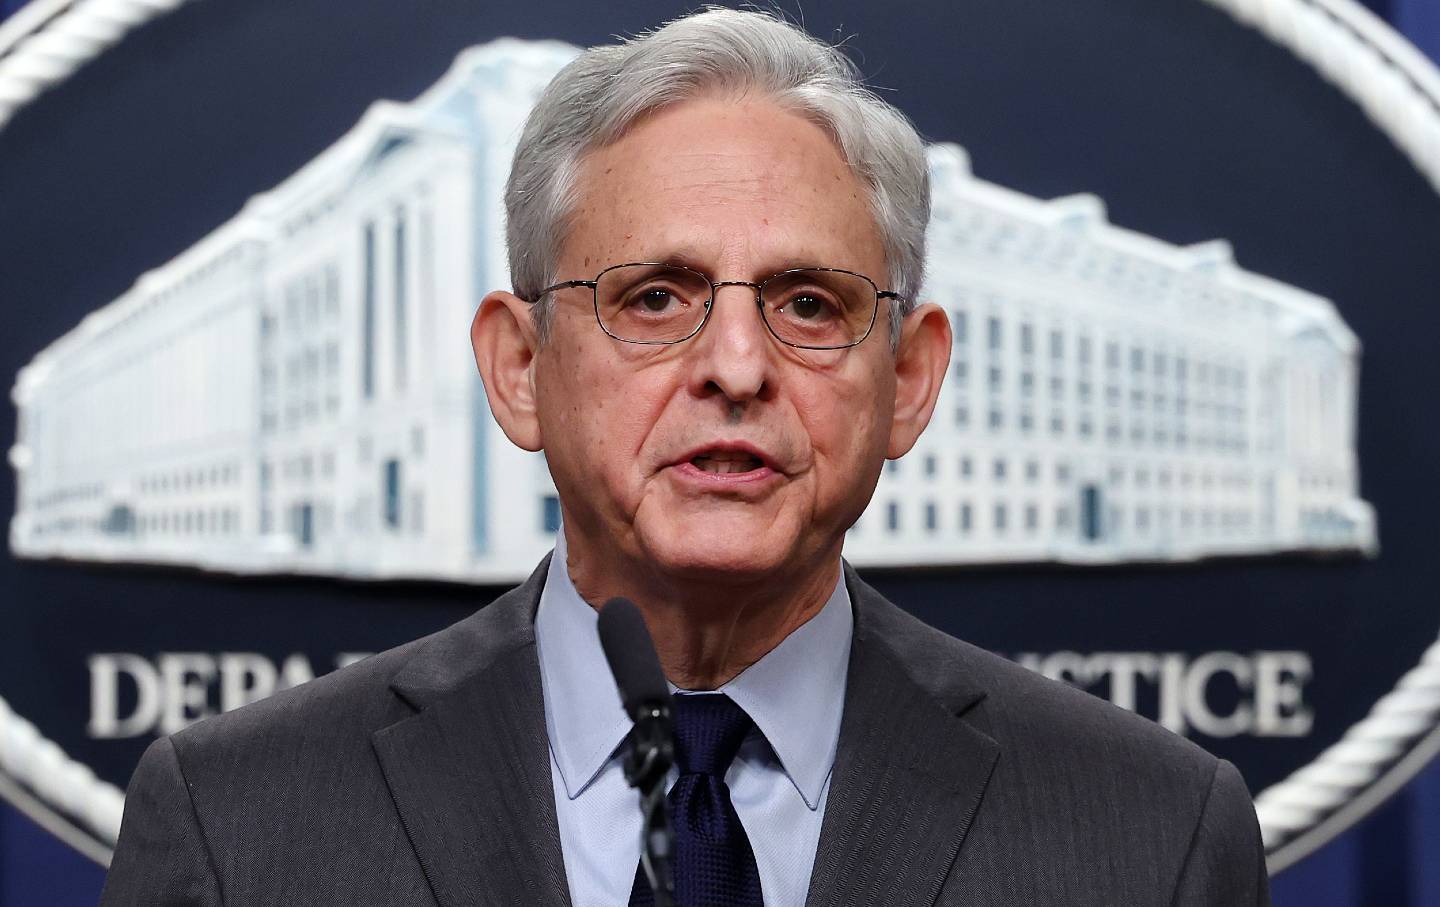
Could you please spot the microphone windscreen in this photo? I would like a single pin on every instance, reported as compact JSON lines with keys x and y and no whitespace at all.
{"x":631,"y":653}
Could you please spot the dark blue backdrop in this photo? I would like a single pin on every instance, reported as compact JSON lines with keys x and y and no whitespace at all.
{"x":1392,"y":858}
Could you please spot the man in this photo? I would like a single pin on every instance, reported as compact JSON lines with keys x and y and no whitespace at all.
{"x":716,"y":239}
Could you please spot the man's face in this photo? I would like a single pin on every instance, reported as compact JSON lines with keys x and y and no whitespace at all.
{"x":728,"y":454}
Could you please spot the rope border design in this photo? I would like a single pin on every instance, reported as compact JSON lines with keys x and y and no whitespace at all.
{"x":64,"y":36}
{"x":1398,"y":88}
{"x":40,"y":767}
{"x":1394,"y":84}
{"x":1291,"y":808}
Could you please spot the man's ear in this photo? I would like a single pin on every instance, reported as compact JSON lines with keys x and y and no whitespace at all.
{"x":920,"y":363}
{"x":504,"y":339}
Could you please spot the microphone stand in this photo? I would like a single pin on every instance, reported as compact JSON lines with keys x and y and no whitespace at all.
{"x":651,"y":754}
{"x":651,"y":751}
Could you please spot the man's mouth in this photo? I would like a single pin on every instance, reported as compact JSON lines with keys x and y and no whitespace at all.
{"x":725,"y":462}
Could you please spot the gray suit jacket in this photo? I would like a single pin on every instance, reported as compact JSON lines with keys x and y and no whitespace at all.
{"x":421,"y":776}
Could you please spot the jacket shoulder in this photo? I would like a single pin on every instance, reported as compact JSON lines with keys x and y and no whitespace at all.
{"x":1044,"y":721}
{"x":347,"y":705}
{"x":355,"y":699}
{"x":1154,"y":807}
{"x":1027,"y":709}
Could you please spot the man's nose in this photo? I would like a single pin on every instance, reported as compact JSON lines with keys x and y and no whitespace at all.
{"x":734,"y":352}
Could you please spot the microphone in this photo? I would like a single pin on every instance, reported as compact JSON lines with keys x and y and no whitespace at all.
{"x":631,"y":654}
{"x":651,"y":744}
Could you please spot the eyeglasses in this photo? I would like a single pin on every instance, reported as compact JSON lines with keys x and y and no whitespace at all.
{"x":808,"y":308}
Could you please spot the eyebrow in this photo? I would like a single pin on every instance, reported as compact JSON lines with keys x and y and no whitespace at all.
{"x":687,"y":257}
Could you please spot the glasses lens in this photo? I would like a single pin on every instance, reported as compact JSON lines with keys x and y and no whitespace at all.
{"x":651,"y":303}
{"x":819,"y":309}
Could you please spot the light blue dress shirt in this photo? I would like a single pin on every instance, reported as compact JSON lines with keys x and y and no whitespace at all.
{"x":778,"y":782}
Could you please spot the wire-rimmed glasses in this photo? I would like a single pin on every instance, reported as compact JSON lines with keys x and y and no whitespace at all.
{"x":807,"y":308}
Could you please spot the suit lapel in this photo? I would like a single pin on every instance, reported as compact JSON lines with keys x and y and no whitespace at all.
{"x":470,"y":772}
{"x":909,"y":774}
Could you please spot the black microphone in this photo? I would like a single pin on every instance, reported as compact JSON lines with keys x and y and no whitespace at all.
{"x":632,"y":657}
{"x":651,"y":744}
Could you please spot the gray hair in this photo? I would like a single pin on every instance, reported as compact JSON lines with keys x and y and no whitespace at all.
{"x":601,"y":93}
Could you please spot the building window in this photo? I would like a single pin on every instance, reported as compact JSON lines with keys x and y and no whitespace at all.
{"x":961,"y":327}
{"x":929,"y":466}
{"x":892,"y":467}
{"x":401,"y":276}
{"x":332,"y":290}
{"x":550,"y":513}
{"x":1032,"y":517}
{"x":967,"y":518}
{"x":892,"y":516}
{"x":304,"y":524}
{"x":392,"y":493}
{"x":367,"y":324}
{"x":1001,"y":517}
{"x":995,"y":333}
{"x":312,"y":300}
{"x":1091,"y":508}
{"x":999,"y":469}
{"x":967,"y":467}
{"x":930,"y":518}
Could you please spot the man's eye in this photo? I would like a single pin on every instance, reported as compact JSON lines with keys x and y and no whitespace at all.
{"x":807,"y":307}
{"x":656,"y":299}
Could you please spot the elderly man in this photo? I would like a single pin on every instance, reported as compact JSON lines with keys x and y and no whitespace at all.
{"x":716,"y":240}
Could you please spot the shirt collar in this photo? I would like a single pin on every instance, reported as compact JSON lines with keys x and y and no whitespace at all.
{"x":795,"y":693}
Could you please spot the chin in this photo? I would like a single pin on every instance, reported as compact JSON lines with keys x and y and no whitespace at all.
{"x":721,"y":557}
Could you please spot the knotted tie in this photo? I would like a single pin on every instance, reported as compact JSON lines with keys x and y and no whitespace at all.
{"x":714,"y":865}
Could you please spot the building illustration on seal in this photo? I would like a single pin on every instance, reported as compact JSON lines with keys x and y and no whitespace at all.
{"x":295,"y":392}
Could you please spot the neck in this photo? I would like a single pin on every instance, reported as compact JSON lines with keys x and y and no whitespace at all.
{"x":707,"y":632}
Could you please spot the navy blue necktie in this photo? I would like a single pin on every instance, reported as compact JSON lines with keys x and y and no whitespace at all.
{"x":714,"y":865}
